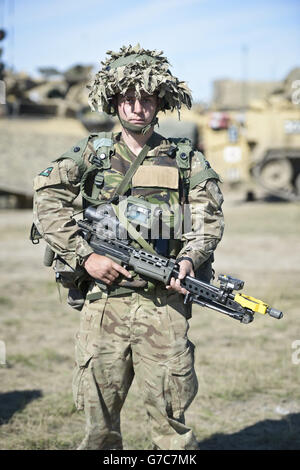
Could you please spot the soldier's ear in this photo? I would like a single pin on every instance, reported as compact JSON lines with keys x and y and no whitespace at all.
{"x":159,"y":103}
{"x":114,"y":104}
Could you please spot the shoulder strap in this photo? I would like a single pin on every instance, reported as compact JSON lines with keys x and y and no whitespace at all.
{"x":205,"y":173}
{"x":184,"y":150}
{"x":104,"y":148}
{"x":76,"y":153}
{"x":183,"y":154}
{"x":124,"y":184}
{"x":101,"y":162}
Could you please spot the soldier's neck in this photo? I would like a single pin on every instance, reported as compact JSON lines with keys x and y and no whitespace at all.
{"x":135,"y":142}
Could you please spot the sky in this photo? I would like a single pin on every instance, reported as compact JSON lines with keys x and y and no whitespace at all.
{"x":204,"y":40}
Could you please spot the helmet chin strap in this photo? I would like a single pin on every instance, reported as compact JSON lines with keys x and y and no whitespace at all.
{"x":136,"y":128}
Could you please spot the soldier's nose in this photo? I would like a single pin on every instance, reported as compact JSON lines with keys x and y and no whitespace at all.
{"x":137,"y":106}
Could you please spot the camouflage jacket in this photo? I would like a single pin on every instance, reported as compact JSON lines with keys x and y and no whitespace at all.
{"x":57,"y":187}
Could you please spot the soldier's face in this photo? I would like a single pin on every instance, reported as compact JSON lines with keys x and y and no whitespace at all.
{"x":137,"y":111}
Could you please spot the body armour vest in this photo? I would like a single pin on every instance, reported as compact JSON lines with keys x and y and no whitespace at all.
{"x":163,"y":179}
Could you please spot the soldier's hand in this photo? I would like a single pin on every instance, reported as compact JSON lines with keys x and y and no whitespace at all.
{"x":103,"y":268}
{"x":185,"y":269}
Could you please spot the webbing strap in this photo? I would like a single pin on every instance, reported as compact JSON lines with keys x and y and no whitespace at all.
{"x":103,"y":146}
{"x":121,"y":189}
{"x":124,"y":184}
{"x":84,"y":178}
{"x":135,"y":235}
{"x":202,"y":176}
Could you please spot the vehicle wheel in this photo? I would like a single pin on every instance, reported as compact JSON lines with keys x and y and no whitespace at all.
{"x":277,"y":174}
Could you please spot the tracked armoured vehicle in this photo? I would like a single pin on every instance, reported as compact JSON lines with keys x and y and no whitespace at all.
{"x":258,"y":146}
{"x":273,"y":136}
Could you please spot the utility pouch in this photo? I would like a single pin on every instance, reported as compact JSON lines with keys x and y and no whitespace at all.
{"x":75,"y":280}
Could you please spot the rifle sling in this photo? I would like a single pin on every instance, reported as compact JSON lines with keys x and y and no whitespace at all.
{"x":124,"y":184}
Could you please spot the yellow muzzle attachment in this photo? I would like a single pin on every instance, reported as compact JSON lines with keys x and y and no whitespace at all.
{"x":257,"y":305}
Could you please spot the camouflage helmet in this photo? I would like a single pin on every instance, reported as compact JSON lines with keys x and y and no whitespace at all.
{"x":143,"y":70}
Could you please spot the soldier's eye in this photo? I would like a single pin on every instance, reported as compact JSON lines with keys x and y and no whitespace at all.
{"x":148,"y":100}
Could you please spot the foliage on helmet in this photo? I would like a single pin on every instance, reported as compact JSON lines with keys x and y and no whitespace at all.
{"x":143,"y":70}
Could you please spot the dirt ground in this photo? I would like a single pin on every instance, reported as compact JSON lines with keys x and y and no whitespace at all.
{"x":249,"y":375}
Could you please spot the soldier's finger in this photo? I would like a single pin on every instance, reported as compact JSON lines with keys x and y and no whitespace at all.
{"x":113,"y":273}
{"x":182,"y":271}
{"x":171,"y":284}
{"x":180,"y":289}
{"x":175,"y":284}
{"x":121,"y":270}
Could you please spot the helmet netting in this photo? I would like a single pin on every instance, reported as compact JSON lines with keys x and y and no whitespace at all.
{"x":142,"y":70}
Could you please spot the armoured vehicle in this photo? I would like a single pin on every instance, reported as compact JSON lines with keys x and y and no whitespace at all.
{"x":273,"y":138}
{"x":257,"y":147}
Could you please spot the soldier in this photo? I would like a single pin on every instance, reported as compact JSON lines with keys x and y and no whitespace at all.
{"x":130,"y":327}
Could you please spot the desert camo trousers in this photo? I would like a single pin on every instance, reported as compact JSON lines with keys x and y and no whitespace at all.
{"x":135,"y":335}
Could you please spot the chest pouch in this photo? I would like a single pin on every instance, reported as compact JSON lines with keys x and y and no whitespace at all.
{"x":93,"y":178}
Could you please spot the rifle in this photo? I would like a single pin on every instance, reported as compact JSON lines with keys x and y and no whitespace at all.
{"x":156,"y":267}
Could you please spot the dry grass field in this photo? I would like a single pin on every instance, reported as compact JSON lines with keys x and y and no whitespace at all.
{"x":249,"y":376}
{"x":249,"y":387}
